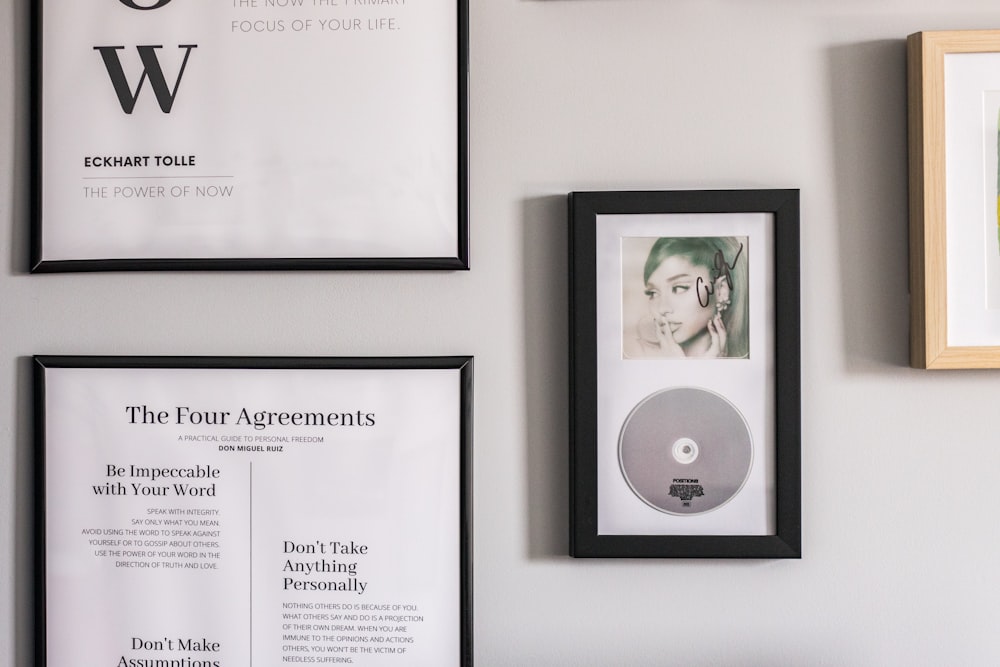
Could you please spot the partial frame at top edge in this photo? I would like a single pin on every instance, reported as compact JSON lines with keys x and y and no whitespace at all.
{"x":384,"y":249}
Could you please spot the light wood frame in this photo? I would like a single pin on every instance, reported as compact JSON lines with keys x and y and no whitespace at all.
{"x":928,"y":214}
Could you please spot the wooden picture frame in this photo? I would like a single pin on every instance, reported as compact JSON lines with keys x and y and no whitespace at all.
{"x":953,"y":103}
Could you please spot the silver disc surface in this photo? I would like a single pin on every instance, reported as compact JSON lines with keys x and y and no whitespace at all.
{"x":685,"y":450}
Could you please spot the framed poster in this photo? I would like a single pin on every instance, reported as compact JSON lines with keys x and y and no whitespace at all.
{"x":684,"y":374}
{"x":249,"y":511}
{"x":954,"y":140}
{"x":249,"y":134}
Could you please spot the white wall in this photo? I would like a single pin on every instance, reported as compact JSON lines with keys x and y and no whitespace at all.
{"x":901,"y":468}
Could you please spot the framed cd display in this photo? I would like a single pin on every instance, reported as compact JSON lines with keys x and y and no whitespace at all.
{"x":249,"y":135}
{"x":684,"y":374}
{"x":954,"y":141}
{"x":253,"y":511}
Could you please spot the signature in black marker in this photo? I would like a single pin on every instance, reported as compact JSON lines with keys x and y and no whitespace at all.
{"x":722,"y":269}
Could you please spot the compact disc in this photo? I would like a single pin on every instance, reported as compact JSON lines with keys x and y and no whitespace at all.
{"x":685,"y":450}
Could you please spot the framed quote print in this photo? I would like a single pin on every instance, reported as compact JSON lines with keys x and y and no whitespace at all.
{"x":684,"y":374}
{"x":250,"y":511}
{"x":249,"y":134}
{"x":954,"y":141}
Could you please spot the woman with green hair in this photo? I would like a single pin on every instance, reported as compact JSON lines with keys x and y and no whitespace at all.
{"x":696,"y":288}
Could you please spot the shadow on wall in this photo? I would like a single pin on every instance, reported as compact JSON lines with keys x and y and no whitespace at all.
{"x":20,"y":181}
{"x":868,"y":97}
{"x":546,"y":345}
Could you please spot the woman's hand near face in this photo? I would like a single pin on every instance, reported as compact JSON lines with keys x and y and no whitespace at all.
{"x":668,"y":346}
{"x":717,"y":333}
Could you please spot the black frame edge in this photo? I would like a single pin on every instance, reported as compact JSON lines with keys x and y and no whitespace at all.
{"x":466,"y":368}
{"x":582,"y":374}
{"x":251,"y":264}
{"x":35,"y":136}
{"x":461,"y":261}
{"x":38,"y":501}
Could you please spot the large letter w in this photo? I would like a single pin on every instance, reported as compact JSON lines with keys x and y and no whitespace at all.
{"x":151,"y":70}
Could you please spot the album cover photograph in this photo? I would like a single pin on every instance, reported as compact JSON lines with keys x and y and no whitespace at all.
{"x":684,"y":412}
{"x":685,"y":297}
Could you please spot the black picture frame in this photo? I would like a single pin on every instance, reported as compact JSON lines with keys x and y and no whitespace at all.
{"x":456,"y":465}
{"x":314,"y":249}
{"x":598,"y":227}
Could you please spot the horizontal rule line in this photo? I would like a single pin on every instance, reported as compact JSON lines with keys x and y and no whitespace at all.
{"x":136,"y":178}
